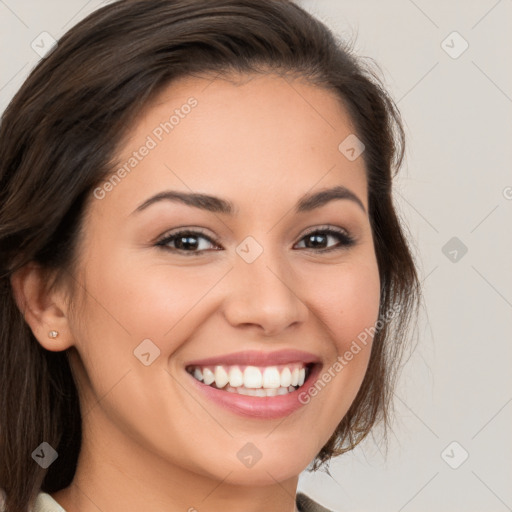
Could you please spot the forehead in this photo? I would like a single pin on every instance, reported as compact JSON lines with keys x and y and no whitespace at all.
{"x":250,"y":138}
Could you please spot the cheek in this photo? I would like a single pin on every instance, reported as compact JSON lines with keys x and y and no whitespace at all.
{"x":134,"y":299}
{"x":347,"y":301}
{"x":129,"y":302}
{"x":164,"y":302}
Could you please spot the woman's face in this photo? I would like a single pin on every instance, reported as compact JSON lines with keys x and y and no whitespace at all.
{"x":250,"y":295}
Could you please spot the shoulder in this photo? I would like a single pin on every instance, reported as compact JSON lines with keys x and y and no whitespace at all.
{"x":45,"y":503}
{"x":306,"y":504}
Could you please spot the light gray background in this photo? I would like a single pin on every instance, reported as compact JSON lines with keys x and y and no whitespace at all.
{"x":456,"y":182}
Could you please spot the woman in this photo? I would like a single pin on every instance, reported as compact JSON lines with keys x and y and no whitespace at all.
{"x":205,"y":286}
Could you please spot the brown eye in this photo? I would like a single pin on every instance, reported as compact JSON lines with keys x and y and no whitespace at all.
{"x":186,"y":241}
{"x":319,"y":238}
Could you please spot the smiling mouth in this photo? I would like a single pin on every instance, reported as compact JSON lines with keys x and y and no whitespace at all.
{"x":259,"y":381}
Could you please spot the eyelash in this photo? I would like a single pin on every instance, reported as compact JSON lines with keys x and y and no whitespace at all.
{"x":344,"y":238}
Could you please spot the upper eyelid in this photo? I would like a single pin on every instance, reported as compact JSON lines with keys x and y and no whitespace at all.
{"x":180,"y":230}
{"x":326,"y":227}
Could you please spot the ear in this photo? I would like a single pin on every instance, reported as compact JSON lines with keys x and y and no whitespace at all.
{"x":44,"y":311}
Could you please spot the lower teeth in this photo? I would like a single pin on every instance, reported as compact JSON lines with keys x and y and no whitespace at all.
{"x":262,"y":392}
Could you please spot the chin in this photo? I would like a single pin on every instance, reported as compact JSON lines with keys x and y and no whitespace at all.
{"x":261,"y":474}
{"x":275,"y":466}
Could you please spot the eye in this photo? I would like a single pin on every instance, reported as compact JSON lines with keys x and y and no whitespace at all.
{"x":187,"y":241}
{"x":317,"y":238}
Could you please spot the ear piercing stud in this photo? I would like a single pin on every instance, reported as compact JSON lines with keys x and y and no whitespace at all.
{"x":53,"y":334}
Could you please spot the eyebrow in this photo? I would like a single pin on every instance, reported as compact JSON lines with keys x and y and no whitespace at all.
{"x":306,"y":203}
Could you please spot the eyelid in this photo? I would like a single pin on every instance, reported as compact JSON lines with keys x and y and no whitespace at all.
{"x":186,"y":229}
{"x":325,"y":227}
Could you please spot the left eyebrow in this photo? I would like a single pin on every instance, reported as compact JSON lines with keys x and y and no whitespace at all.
{"x":314,"y":200}
{"x":215,"y":204}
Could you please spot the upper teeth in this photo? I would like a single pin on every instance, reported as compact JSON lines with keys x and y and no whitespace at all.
{"x":252,"y":377}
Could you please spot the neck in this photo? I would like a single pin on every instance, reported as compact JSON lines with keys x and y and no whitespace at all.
{"x":122,"y":475}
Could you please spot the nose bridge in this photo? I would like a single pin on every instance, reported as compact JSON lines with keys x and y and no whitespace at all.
{"x":262,"y":291}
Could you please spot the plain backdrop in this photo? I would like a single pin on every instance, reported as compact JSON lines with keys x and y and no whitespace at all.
{"x":447,"y":65}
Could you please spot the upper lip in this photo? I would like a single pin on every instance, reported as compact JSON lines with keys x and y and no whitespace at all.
{"x":258,"y":358}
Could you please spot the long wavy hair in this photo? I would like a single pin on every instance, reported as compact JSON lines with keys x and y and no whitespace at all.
{"x":58,"y":137}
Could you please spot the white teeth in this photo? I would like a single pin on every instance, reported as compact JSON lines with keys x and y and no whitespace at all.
{"x":253,"y":381}
{"x":236,"y":377}
{"x":286,"y":377}
{"x":271,"y":378}
{"x":302,"y":376}
{"x":221,"y":377}
{"x":208,"y":376}
{"x":252,"y":377}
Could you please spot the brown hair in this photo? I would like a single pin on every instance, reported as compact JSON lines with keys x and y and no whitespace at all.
{"x":58,"y":137}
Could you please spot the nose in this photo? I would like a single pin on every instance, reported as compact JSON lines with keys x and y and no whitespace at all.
{"x":263,"y":295}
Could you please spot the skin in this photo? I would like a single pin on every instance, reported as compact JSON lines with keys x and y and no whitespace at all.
{"x":151,"y":441}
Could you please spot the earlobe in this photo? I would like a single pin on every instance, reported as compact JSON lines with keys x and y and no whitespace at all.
{"x":44,"y":311}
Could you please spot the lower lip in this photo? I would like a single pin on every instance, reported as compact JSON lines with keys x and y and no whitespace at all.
{"x":264,"y":407}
